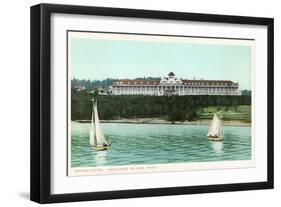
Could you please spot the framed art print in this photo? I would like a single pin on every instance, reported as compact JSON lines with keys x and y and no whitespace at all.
{"x":132,"y":103}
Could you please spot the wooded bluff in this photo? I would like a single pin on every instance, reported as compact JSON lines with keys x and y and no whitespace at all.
{"x":173,"y":108}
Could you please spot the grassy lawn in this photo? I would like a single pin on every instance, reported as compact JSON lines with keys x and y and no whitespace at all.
{"x":242,"y":112}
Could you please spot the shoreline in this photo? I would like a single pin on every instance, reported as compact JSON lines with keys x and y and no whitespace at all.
{"x":161,"y":121}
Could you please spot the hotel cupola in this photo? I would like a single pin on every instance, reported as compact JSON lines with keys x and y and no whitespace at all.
{"x":171,"y":75}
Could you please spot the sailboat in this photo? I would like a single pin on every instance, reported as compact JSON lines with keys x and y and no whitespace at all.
{"x":215,"y":131}
{"x":96,"y":136}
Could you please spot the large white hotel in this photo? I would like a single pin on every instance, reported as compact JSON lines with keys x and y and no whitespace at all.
{"x":173,"y":86}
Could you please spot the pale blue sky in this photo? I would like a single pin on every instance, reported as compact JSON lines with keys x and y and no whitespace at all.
{"x":97,"y":59}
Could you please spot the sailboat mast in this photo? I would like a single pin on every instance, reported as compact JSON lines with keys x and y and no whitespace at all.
{"x":92,"y":138}
{"x":93,"y":120}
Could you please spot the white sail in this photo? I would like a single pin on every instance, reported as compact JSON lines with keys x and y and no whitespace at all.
{"x":92,"y":139}
{"x":221,"y":130}
{"x":92,"y":136}
{"x":215,"y":128}
{"x":100,"y":139}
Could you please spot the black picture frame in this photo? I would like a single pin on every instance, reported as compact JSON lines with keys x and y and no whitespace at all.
{"x":40,"y":184}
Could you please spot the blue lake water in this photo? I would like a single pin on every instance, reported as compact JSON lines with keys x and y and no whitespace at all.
{"x":156,"y":143}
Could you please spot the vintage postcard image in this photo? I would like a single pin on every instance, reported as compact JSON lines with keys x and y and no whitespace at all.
{"x":141,"y":103}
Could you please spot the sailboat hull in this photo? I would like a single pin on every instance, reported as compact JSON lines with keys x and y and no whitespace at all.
{"x":215,"y":138}
{"x":101,"y":148}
